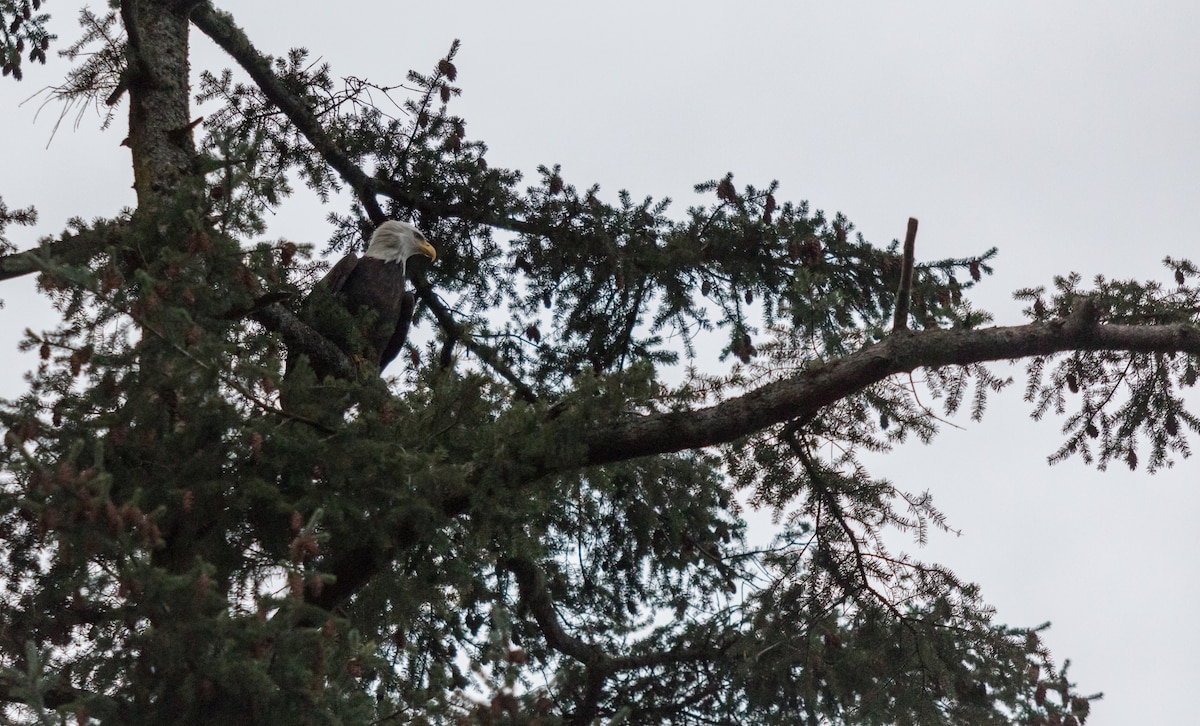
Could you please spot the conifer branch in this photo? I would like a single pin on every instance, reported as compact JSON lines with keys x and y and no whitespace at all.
{"x":231,"y":381}
{"x":455,"y":334}
{"x":904,"y":294}
{"x":52,"y":697}
{"x":532,"y":583}
{"x":85,"y":245}
{"x":296,"y":334}
{"x":834,"y":507}
{"x":81,"y":246}
{"x":220,"y":28}
{"x":351,"y":570}
{"x":805,"y":393}
{"x":534,"y":594}
{"x":301,"y":338}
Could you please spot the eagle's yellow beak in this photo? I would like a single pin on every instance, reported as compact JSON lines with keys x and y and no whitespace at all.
{"x":427,"y":249}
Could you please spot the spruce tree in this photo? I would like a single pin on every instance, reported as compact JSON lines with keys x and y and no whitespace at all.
{"x":532,"y":517}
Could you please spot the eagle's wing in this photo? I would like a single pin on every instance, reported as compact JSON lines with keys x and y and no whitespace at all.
{"x":331,"y":284}
{"x":396,"y":342}
{"x":335,"y":279}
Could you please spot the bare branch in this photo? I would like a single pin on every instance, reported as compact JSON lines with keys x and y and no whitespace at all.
{"x":904,"y":294}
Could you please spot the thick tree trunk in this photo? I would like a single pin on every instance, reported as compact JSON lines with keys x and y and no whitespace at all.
{"x":159,"y":132}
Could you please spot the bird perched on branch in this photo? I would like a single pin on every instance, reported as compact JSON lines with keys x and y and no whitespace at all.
{"x":361,"y":304}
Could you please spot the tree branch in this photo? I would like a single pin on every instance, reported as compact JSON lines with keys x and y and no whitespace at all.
{"x":301,"y":338}
{"x":834,"y":506}
{"x":600,"y":666}
{"x":78,"y":248}
{"x":71,"y":248}
{"x":221,"y":29}
{"x":54,"y":696}
{"x":532,"y":583}
{"x":805,"y":393}
{"x":904,"y":294}
{"x":454,"y":333}
{"x":798,"y":397}
{"x":219,"y":26}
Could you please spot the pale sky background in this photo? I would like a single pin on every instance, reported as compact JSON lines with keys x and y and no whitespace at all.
{"x":1064,"y":133}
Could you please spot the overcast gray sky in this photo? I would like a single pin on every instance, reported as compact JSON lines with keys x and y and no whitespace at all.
{"x":1064,"y":133}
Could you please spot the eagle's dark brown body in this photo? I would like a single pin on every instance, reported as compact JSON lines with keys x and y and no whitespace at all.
{"x":361,"y":305}
{"x":362,"y":308}
{"x":366,"y":285}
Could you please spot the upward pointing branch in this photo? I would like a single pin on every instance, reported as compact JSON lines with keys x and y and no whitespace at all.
{"x":904,"y":294}
{"x":220,"y":28}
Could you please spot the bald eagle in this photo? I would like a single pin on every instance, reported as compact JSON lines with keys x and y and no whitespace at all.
{"x":361,"y":305}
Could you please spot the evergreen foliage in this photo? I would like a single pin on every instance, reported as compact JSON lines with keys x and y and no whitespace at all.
{"x":23,"y":29}
{"x":530,"y":520}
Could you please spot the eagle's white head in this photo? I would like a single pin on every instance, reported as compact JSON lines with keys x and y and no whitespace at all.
{"x":397,"y":241}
